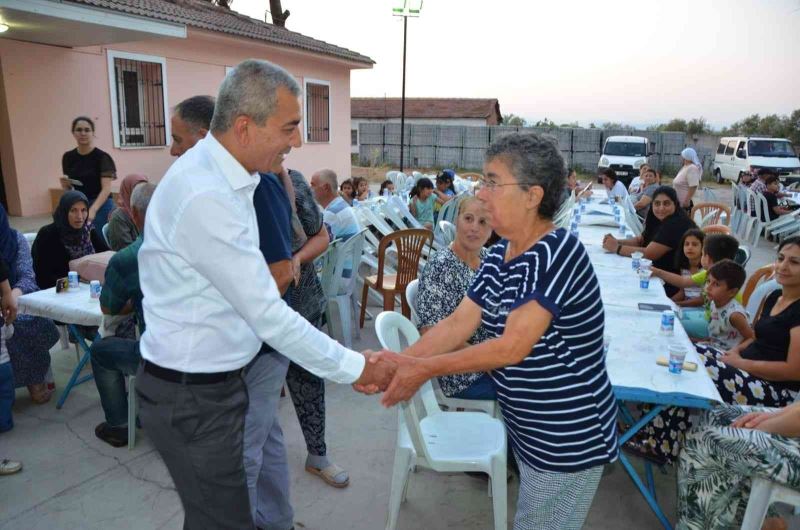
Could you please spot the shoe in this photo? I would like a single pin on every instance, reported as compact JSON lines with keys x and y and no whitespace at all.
{"x":333,"y":475}
{"x":9,"y":467}
{"x":113,"y":436}
{"x":642,"y":449}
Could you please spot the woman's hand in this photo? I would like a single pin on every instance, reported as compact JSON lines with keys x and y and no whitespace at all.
{"x":10,"y":305}
{"x":752,"y":420}
{"x":411,"y":374}
{"x":732,"y":358}
{"x":296,"y":264}
{"x":610,"y":243}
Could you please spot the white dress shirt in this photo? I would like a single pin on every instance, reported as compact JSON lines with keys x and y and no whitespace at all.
{"x":209,"y":298}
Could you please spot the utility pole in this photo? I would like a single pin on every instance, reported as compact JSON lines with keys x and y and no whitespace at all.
{"x":406,"y":11}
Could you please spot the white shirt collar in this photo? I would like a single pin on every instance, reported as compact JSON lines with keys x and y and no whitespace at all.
{"x":233,"y":171}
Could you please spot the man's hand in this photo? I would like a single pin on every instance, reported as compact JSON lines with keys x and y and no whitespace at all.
{"x":377,"y":374}
{"x":411,"y":373}
{"x":296,"y":269}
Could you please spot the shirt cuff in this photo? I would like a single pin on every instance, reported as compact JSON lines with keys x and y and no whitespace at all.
{"x":350,"y":368}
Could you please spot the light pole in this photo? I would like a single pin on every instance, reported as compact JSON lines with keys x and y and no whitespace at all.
{"x":406,"y":11}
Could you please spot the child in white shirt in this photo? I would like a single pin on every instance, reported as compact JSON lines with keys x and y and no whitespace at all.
{"x":728,"y":326}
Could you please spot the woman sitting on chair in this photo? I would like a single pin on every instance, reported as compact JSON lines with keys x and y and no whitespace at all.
{"x":444,"y":282}
{"x":121,"y":229}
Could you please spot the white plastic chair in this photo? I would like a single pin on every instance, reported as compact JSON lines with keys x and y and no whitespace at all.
{"x":709,"y":195}
{"x":340,"y":310}
{"x":446,"y":442}
{"x":411,"y":297}
{"x":761,"y":291}
{"x":764,"y":492}
{"x":447,"y":231}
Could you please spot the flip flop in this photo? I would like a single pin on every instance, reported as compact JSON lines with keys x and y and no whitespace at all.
{"x":330,"y":474}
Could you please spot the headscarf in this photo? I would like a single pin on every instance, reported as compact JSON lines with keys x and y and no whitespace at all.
{"x":77,"y":241}
{"x":653,"y":223}
{"x":691,"y":155}
{"x":126,"y":190}
{"x":9,"y":246}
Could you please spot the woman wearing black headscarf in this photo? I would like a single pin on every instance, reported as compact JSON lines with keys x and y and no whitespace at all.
{"x":29,"y":347}
{"x":69,"y":237}
{"x":663,"y":229}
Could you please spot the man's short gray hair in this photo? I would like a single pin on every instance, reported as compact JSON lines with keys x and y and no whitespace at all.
{"x":140,"y":198}
{"x":250,"y":90}
{"x":196,"y":112}
{"x":534,"y":160}
{"x":329,"y":177}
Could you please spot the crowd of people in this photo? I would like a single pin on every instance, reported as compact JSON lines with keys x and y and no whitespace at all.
{"x":505,"y":321}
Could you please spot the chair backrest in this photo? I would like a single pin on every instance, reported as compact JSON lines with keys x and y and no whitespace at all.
{"x":392,"y":176}
{"x":341,"y":256}
{"x":401,"y":207}
{"x":449,"y":210}
{"x":447,"y":231}
{"x":411,"y":297}
{"x":105,"y":234}
{"x":763,"y":273}
{"x":742,"y":255}
{"x":716,"y":229}
{"x":762,"y":208}
{"x":753,"y":305}
{"x":711,"y":212}
{"x":709,"y":195}
{"x":409,"y":244}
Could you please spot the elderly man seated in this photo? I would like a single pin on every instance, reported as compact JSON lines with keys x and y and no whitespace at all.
{"x":114,"y":357}
{"x":338,"y":215}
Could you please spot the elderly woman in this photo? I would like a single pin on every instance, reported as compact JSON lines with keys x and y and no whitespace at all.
{"x":537,"y":295}
{"x":688,"y":178}
{"x":663,"y":230}
{"x":122,"y":231}
{"x":89,"y":170}
{"x":444,"y":282}
{"x":70,"y":236}
{"x":29,"y":347}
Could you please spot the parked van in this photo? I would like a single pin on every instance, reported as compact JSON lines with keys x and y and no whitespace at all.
{"x":747,"y":154}
{"x":625,"y":155}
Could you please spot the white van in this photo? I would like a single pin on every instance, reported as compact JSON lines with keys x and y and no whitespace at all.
{"x":625,"y":155}
{"x":743,"y":154}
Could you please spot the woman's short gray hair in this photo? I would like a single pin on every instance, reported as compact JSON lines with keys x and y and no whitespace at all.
{"x":534,"y":160}
{"x":250,"y":89}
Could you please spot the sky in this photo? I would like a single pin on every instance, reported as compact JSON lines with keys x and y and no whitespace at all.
{"x":637,"y":62}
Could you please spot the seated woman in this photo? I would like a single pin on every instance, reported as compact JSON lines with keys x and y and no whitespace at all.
{"x":532,"y":293}
{"x":763,"y":370}
{"x":727,"y":448}
{"x":574,"y":186}
{"x":614,"y":187}
{"x":29,"y":347}
{"x":444,"y":282}
{"x":663,"y":230}
{"x":70,"y":236}
{"x":122,"y":230}
{"x":636,"y":184}
{"x":641,"y":200}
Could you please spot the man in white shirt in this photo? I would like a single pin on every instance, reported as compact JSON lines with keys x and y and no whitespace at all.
{"x":210,"y":301}
{"x":337,"y":214}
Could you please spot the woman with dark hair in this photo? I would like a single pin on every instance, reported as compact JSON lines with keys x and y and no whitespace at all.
{"x":29,"y":347}
{"x":89,"y":170}
{"x":615,"y":189}
{"x":422,"y":201}
{"x":663,"y":229}
{"x":70,"y":236}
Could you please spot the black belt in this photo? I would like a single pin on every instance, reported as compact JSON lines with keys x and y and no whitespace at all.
{"x":185,"y":378}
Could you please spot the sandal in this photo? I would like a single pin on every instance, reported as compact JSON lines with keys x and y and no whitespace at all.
{"x":40,"y":394}
{"x":642,"y":449}
{"x":330,"y":474}
{"x":9,"y":467}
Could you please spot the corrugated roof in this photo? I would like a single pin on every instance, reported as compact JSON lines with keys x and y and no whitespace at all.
{"x":204,"y":15}
{"x":425,"y":108}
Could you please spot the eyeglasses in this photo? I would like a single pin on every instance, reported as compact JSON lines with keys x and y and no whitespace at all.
{"x":79,"y":129}
{"x":491,"y":185}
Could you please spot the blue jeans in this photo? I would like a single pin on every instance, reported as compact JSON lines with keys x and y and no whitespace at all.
{"x":101,"y":218}
{"x":112,"y":359}
{"x":6,"y":397}
{"x":481,"y":388}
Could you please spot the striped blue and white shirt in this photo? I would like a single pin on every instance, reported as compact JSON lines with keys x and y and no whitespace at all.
{"x":557,"y":403}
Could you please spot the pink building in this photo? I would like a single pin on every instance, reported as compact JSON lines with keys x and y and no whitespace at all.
{"x":125,"y":64}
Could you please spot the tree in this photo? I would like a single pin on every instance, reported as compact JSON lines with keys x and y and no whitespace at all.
{"x":512,"y":120}
{"x":546,"y":123}
{"x":279,"y":16}
{"x":617,"y":125}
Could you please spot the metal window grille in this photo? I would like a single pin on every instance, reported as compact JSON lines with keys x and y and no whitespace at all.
{"x":140,"y":103}
{"x":353,"y":136}
{"x":318,"y":113}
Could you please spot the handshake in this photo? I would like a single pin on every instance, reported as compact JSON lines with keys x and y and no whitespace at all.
{"x":398,"y":376}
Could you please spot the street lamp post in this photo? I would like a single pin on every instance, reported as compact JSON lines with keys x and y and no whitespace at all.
{"x":406,"y":11}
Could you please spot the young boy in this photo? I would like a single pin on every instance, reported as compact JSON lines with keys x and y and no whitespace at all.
{"x":728,"y":326}
{"x":716,"y":247}
{"x":772,"y":193}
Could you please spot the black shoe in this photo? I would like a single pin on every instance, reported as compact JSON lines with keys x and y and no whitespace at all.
{"x":643,"y":450}
{"x":113,"y":436}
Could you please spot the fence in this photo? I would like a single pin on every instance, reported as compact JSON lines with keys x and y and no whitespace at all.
{"x":440,"y":146}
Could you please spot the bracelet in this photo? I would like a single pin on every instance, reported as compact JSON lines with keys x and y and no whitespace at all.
{"x":619,"y":247}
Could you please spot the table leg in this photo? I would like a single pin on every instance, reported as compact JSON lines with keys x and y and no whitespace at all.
{"x":75,"y":378}
{"x":647,"y":491}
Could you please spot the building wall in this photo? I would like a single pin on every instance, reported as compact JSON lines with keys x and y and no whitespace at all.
{"x":354,"y":122}
{"x":45,"y":87}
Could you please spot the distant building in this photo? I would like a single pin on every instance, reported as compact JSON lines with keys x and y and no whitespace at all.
{"x":425,"y":111}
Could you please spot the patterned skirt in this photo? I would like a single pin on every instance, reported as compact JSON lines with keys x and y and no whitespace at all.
{"x":29,"y":349}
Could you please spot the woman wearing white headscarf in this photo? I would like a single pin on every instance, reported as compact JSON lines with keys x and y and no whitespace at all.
{"x":688,"y":178}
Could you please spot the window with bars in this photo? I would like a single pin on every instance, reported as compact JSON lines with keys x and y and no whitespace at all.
{"x":353,"y":136}
{"x":139,"y":92}
{"x":318,"y":119}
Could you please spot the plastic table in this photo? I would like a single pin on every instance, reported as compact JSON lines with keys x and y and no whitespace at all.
{"x":75,"y":308}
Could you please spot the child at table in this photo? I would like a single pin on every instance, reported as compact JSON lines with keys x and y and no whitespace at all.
{"x":688,"y":262}
{"x":697,"y":312}
{"x":728,"y":326}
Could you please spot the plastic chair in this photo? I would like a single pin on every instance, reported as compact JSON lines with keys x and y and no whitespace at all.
{"x":447,"y":231}
{"x":742,"y":256}
{"x":709,"y":195}
{"x":716,"y":229}
{"x":761,"y":274}
{"x":341,"y":257}
{"x":764,"y":492}
{"x":446,"y":442}
{"x":411,"y":295}
{"x":409,"y":244}
{"x":711,"y":213}
{"x":105,"y":235}
{"x":131,"y":412}
{"x":753,"y":306}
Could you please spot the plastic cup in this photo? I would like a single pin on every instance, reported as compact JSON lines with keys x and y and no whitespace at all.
{"x":677,"y":354}
{"x":94,"y":289}
{"x":606,"y":343}
{"x":645,"y":264}
{"x":636,"y":260}
{"x":73,"y":280}
{"x":644,"y":279}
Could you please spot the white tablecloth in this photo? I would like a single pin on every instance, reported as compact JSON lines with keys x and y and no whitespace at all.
{"x":636,"y":342}
{"x":71,"y":307}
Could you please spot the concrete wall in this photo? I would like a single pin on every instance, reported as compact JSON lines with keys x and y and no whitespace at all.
{"x":472,"y":122}
{"x":45,"y":87}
